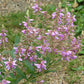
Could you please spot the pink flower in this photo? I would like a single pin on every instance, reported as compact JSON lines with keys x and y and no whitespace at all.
{"x":5,"y":81}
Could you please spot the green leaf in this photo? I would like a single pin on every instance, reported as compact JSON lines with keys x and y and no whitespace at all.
{"x":47,"y":71}
{"x":78,"y":69}
{"x":48,"y":60}
{"x":11,"y":79}
{"x":12,"y":75}
{"x":17,"y":39}
{"x":38,"y":54}
{"x":16,"y":82}
{"x":80,"y":1}
{"x":29,"y":66}
{"x":80,"y":7}
{"x":12,"y":53}
{"x":81,"y":52}
{"x":20,"y":73}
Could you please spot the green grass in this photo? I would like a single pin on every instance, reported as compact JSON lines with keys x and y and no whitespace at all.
{"x":12,"y":20}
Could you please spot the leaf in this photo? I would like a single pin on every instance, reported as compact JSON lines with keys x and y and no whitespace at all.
{"x":17,"y":39}
{"x":11,"y":79}
{"x":20,"y":73}
{"x":38,"y":54}
{"x":12,"y":53}
{"x":48,"y":60}
{"x":16,"y":82}
{"x":80,"y":1}
{"x":12,"y":75}
{"x":81,"y":52}
{"x":47,"y":71}
{"x":78,"y":69}
{"x":27,"y":13}
{"x":29,"y":66}
{"x":80,"y":7}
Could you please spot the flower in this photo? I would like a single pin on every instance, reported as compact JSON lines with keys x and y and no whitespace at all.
{"x":19,"y":23}
{"x":25,"y":24}
{"x":33,"y":58}
{"x":36,"y":8}
{"x":53,"y":15}
{"x":42,"y":81}
{"x":19,"y":51}
{"x":41,"y":66}
{"x":68,"y":55}
{"x":3,"y":37}
{"x":10,"y":64}
{"x":5,"y":81}
{"x":74,"y":19}
{"x":40,"y":37}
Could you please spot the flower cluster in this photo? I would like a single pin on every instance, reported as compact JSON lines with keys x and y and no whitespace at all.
{"x":10,"y":64}
{"x":68,"y":55}
{"x":20,"y":52}
{"x":41,"y":66}
{"x":3,"y":38}
{"x":36,"y":8}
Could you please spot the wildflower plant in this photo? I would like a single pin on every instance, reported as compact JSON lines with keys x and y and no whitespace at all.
{"x":3,"y":37}
{"x":30,"y":57}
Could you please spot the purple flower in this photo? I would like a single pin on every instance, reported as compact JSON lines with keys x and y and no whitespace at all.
{"x":41,"y":66}
{"x":44,"y":12}
{"x":23,"y":31}
{"x":20,"y":59}
{"x":61,"y":36}
{"x":68,"y":14}
{"x":10,"y":64}
{"x":6,"y":39}
{"x":61,"y":14}
{"x":19,"y":51}
{"x":19,"y":23}
{"x":68,"y":55}
{"x":25,"y":24}
{"x":30,"y":20}
{"x":40,"y":37}
{"x":74,"y":19}
{"x":36,"y":8}
{"x":3,"y":34}
{"x":53,"y":15}
{"x":42,"y":81}
{"x":3,"y":37}
{"x":33,"y":58}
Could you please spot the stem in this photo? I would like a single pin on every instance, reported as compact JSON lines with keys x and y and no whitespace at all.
{"x":75,"y":1}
